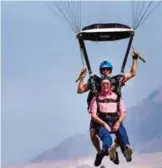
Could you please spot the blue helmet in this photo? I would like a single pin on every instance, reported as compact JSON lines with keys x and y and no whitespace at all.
{"x":106,"y":64}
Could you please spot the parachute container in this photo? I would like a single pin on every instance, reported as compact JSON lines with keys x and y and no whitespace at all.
{"x":106,"y":32}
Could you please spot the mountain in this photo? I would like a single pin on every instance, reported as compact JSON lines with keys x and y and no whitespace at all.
{"x":144,"y":129}
{"x":71,"y":148}
{"x":151,"y":160}
{"x":144,"y":123}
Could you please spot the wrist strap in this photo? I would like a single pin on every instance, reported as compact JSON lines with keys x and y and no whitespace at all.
{"x":135,"y":57}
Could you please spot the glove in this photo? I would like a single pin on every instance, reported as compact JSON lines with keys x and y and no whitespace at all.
{"x":135,"y":55}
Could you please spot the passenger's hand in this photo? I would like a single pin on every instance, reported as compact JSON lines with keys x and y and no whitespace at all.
{"x":107,"y":127}
{"x":116,"y":126}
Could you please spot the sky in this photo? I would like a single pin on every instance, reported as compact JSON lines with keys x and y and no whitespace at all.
{"x":40,"y":62}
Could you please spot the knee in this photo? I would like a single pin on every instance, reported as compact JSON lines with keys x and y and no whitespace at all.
{"x":103,"y":133}
{"x":122,"y":130}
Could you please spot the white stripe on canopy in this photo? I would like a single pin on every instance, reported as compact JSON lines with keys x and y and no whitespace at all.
{"x":106,"y":30}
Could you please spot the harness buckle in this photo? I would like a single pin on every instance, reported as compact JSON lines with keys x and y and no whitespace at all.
{"x":108,"y":116}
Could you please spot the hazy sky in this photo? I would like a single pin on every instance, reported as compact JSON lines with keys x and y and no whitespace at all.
{"x":40,"y":62}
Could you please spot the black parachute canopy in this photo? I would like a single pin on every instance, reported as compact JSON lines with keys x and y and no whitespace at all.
{"x":106,"y":32}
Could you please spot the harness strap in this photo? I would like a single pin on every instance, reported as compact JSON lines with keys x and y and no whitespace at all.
{"x":108,"y":114}
{"x":118,"y":102}
{"x":108,"y":101}
{"x":111,"y":116}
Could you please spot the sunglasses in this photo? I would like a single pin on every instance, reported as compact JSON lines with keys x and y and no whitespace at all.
{"x":107,"y":69}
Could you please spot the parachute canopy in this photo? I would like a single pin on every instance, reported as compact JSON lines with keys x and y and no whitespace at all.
{"x":105,"y":32}
{"x":72,"y":12}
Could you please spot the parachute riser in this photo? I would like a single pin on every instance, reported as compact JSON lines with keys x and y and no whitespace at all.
{"x":126,"y":54}
{"x":84,"y":52}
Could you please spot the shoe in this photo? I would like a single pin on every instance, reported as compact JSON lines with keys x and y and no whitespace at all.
{"x":116,"y":161}
{"x":128,"y":153}
{"x":99,"y":157}
{"x":102,"y":166}
{"x":112,"y":152}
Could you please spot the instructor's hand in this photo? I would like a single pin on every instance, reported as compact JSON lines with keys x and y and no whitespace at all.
{"x":135,"y":54}
{"x":83,"y":72}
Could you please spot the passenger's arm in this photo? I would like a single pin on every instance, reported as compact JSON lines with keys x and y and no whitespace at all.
{"x":122,"y":111}
{"x":100,"y":121}
{"x":97,"y":119}
{"x":122,"y":115}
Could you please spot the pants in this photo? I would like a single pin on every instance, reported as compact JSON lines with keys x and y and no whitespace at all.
{"x":106,"y":138}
